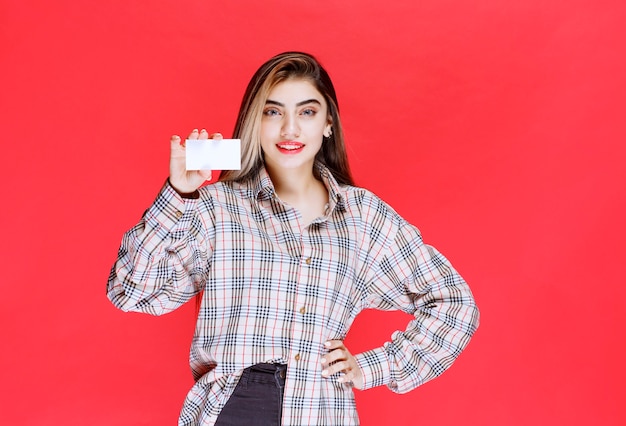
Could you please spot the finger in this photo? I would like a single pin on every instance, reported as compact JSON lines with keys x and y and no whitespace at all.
{"x":338,"y":367}
{"x":175,"y":142}
{"x":354,"y":376}
{"x":336,"y":350}
{"x":335,"y":355}
{"x":217,"y":136}
{"x":347,"y":378}
{"x":334,"y":344}
{"x":342,"y":367}
{"x":203,"y":134}
{"x":194,"y":134}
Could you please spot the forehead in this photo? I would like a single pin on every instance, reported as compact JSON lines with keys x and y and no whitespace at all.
{"x":295,"y":90}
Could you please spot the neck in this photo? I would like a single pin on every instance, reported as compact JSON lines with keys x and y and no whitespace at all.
{"x":293,"y":184}
{"x":299,"y":189}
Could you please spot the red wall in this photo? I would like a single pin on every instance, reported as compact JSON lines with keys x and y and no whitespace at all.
{"x":496,"y":127}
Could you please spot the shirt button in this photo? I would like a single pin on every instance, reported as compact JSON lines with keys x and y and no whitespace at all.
{"x":308,"y":260}
{"x":302,"y":310}
{"x":179,"y":214}
{"x":297,"y":357}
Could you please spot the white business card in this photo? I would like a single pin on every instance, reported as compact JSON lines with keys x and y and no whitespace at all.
{"x":213,"y":154}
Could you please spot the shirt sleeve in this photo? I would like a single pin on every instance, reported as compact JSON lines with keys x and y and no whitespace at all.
{"x":163,"y":260}
{"x":416,"y":278}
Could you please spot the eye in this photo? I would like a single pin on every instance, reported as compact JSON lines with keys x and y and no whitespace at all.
{"x":309,"y":112}
{"x":271,"y":112}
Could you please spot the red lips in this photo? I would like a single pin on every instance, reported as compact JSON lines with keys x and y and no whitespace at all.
{"x":290,"y":147}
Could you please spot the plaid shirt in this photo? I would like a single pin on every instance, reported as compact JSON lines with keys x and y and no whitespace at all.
{"x":275,"y":290}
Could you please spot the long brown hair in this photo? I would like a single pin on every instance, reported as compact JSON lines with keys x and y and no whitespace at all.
{"x":288,"y":65}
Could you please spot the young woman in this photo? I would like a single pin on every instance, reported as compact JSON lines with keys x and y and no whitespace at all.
{"x":284,"y":254}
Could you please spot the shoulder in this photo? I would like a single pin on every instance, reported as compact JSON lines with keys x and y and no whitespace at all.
{"x":383,"y":228}
{"x":369,"y":205}
{"x":373,"y":216}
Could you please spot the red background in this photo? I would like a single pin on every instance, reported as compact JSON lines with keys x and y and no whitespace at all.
{"x":497,"y":127}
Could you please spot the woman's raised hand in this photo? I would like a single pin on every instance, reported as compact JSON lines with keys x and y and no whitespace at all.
{"x":187,"y":181}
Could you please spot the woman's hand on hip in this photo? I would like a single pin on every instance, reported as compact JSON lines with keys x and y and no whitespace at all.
{"x":340,"y":360}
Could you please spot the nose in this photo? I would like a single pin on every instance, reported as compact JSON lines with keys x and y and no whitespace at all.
{"x":290,"y":128}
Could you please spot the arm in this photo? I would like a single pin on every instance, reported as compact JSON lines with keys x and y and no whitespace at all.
{"x":417,"y":279}
{"x":164,"y":259}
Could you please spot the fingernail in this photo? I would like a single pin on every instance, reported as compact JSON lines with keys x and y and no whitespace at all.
{"x":327,"y":344}
{"x":324,"y":372}
{"x":323,"y":360}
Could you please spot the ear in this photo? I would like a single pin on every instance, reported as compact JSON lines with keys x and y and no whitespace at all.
{"x":328,"y":130}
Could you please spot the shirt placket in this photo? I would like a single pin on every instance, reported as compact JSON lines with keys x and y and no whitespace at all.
{"x":306,"y":340}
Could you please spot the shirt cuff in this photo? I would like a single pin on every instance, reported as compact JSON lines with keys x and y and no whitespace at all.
{"x":167,"y":212}
{"x":374,"y":365}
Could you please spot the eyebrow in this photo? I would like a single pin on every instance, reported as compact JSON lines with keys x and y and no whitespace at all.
{"x":280,"y":104}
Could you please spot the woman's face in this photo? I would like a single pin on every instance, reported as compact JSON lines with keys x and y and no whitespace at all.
{"x":295,"y":118}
